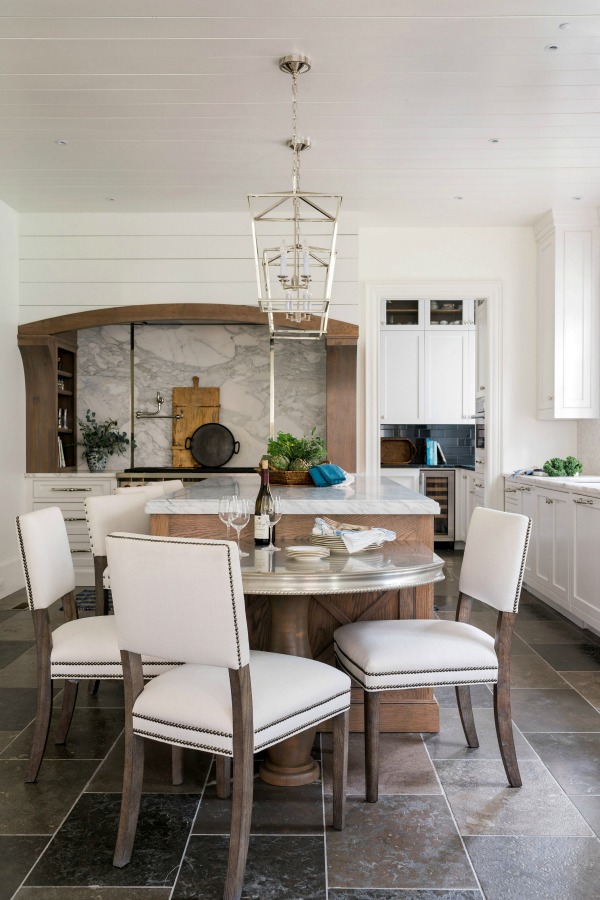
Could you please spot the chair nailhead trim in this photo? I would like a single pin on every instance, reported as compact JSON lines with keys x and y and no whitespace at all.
{"x":522,"y":570}
{"x":409,"y":671}
{"x":300,"y":712}
{"x":129,"y":537}
{"x":409,"y":687}
{"x":179,"y":742}
{"x":25,"y":569}
{"x":303,"y":727}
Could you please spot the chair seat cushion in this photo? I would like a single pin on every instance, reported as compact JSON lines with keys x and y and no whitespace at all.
{"x":191,"y":705}
{"x":412,"y":653}
{"x":88,"y":648}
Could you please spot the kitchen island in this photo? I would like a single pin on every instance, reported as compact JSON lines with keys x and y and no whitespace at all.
{"x":324,"y":606}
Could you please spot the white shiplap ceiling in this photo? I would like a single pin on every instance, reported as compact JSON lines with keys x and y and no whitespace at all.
{"x":179,"y":105}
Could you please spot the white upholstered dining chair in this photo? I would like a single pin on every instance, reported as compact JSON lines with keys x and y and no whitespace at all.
{"x":184,"y":598}
{"x":154,"y":488}
{"x":77,"y":650}
{"x":384,"y":655}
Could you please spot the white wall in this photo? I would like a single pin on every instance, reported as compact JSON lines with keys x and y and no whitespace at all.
{"x":12,"y":440}
{"x":506,"y":255}
{"x":72,"y":262}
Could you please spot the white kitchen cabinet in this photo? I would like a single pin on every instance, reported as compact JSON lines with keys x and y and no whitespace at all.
{"x":408,"y":478}
{"x":512,"y":496}
{"x":461,"y":494}
{"x":68,"y":492}
{"x":585,"y":562}
{"x":528,"y":509}
{"x":568,"y":315}
{"x":480,"y":347}
{"x":427,"y":376}
{"x":428,"y":314}
{"x":402,"y":388}
{"x":550,"y":558}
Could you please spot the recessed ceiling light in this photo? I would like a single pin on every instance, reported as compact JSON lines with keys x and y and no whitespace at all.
{"x":564,"y":25}
{"x":61,"y":142}
{"x":551,"y":47}
{"x":458,"y":198}
{"x":110,"y":198}
{"x":576,"y":198}
{"x":494,"y":140}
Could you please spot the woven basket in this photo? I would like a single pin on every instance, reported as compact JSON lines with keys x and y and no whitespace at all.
{"x":276,"y":476}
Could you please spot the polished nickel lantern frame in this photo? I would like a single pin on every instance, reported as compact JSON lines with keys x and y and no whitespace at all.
{"x":294,"y":235}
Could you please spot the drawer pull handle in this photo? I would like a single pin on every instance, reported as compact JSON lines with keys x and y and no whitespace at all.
{"x":525,"y":489}
{"x":72,"y":490}
{"x":480,"y":462}
{"x":73,"y":519}
{"x":548,"y":500}
{"x":464,"y":477}
{"x":510,"y":490}
{"x":80,"y":551}
{"x":587,"y":502}
{"x":479,"y":484}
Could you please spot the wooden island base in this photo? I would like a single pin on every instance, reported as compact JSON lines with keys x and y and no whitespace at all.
{"x":401,"y":711}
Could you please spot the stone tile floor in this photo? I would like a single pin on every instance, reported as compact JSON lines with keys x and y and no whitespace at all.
{"x":446,"y":826}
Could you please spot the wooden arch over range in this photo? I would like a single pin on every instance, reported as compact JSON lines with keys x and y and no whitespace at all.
{"x":38,"y":343}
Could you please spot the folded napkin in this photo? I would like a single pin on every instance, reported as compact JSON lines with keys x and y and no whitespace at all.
{"x":355,"y":538}
{"x":327,"y":474}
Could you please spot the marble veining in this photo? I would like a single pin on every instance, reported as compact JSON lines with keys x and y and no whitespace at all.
{"x":234,"y":358}
{"x":575,"y":485}
{"x":366,"y":496}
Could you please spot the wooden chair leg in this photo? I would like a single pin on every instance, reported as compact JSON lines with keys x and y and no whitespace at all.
{"x":66,"y":713}
{"x":504,"y":731}
{"x":372,"y":716}
{"x":465,"y":709}
{"x":133,"y":776}
{"x":340,"y":727}
{"x":176,"y":764}
{"x":243,"y":782}
{"x":223,"y":773}
{"x":42,"y":726}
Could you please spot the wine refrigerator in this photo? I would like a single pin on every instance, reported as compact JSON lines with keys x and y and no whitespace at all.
{"x":439,"y":486}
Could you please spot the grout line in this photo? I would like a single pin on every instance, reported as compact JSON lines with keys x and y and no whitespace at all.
{"x":191,"y":831}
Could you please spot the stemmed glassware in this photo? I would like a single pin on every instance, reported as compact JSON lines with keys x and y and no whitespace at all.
{"x":239,"y":516}
{"x":224,"y":511}
{"x":271,"y":506}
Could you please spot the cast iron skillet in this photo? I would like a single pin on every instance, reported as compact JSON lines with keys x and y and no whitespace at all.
{"x":212,"y":445}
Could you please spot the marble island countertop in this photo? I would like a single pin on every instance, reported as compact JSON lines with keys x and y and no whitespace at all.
{"x":577,"y":484}
{"x":366,"y":496}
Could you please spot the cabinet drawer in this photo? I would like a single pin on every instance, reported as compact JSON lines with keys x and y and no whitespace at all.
{"x":55,"y":491}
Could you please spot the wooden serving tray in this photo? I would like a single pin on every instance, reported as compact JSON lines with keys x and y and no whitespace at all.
{"x":397,"y":451}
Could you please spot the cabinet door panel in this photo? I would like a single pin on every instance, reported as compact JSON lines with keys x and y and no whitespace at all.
{"x":552,"y":546}
{"x":528,"y":509}
{"x":446,"y":376}
{"x":586,"y":559}
{"x":402,"y":371}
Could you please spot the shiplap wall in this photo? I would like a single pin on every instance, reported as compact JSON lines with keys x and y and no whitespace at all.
{"x":77,"y":261}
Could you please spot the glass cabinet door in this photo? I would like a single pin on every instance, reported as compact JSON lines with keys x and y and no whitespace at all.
{"x":395,"y":312}
{"x":450,"y":312}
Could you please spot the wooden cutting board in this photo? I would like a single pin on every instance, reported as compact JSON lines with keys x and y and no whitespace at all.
{"x":197,"y":406}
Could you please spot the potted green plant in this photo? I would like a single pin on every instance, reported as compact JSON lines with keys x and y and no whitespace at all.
{"x":290,"y":457}
{"x":100,"y":440}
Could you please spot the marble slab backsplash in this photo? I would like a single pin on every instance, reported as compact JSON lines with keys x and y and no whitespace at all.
{"x":588,"y":445}
{"x":234,"y":358}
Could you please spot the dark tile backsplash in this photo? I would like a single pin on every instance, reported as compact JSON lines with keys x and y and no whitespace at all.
{"x":457,"y":441}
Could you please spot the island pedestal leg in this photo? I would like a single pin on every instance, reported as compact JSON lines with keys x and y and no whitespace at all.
{"x":289,"y":763}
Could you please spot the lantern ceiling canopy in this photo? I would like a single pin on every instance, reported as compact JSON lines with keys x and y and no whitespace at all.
{"x":294,"y":235}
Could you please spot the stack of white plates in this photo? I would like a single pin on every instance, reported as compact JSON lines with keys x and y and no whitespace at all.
{"x":335,"y":543}
{"x":300,"y":552}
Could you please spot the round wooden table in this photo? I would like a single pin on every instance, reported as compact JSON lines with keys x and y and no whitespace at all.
{"x":289,"y":586}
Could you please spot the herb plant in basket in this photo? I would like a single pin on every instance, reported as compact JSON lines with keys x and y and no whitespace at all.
{"x":100,"y":440}
{"x":290,"y":457}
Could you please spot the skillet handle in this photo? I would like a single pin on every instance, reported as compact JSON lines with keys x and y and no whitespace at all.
{"x":236,"y":447}
{"x":188,"y":443}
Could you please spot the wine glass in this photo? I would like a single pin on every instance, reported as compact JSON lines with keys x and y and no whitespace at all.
{"x":271,"y":506}
{"x":239,"y":516}
{"x":224,"y":511}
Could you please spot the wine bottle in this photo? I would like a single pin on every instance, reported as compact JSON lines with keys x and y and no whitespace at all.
{"x":261,"y":523}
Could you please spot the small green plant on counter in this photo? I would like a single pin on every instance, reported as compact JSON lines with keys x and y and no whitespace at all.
{"x":100,"y":439}
{"x":290,"y":454}
{"x":557,"y":467}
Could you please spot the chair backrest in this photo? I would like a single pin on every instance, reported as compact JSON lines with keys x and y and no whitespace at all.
{"x":46,"y":556}
{"x":179,"y":598}
{"x":150,"y":490}
{"x":494,"y":559}
{"x":172,"y":486}
{"x":115,"y":512}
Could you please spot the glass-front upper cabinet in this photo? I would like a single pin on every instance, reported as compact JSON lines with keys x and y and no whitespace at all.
{"x":421,"y":313}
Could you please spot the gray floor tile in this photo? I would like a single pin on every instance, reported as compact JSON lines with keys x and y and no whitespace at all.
{"x":92,"y":893}
{"x":547,"y":631}
{"x":587,"y":684}
{"x":17,"y":707}
{"x":552,"y":711}
{"x":404,"y":765}
{"x":91,"y":735}
{"x":17,"y":855}
{"x":538,"y":868}
{"x":483,"y":803}
{"x":275,"y":868}
{"x":19,"y":627}
{"x":22,"y":673}
{"x":400,"y":894}
{"x":6,"y":738}
{"x":413,"y":844}
{"x":450,"y":743}
{"x":530,"y":671}
{"x":589,"y":807}
{"x":481,"y":696}
{"x":581,"y":657}
{"x":573,"y":759}
{"x":11,"y":650}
